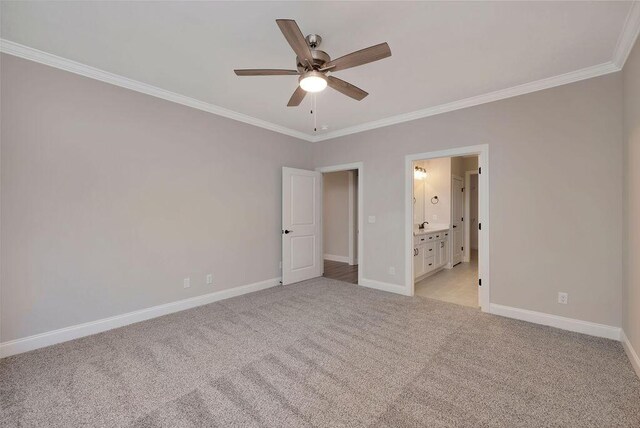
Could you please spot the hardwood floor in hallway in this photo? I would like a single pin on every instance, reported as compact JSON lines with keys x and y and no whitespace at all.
{"x":341,"y":271}
{"x":457,"y":285}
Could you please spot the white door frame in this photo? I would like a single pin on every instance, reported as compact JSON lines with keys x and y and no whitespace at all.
{"x":353,"y":260}
{"x":349,"y":167}
{"x":482,"y":151}
{"x":466,"y":257}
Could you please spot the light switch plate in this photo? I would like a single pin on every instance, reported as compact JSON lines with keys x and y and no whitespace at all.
{"x":372,"y":219}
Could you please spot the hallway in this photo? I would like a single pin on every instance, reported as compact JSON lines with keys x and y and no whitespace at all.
{"x":341,"y":271}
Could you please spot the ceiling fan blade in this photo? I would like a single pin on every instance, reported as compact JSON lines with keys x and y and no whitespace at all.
{"x":346,"y":88}
{"x":266,"y":72}
{"x":363,"y":56}
{"x":297,"y":97}
{"x":296,"y":40}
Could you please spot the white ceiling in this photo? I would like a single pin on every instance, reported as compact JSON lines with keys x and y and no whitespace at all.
{"x":442,"y":51}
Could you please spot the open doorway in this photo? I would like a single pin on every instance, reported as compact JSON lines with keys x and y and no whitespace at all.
{"x":448,"y":197}
{"x":340,"y":225}
{"x":342,"y":222}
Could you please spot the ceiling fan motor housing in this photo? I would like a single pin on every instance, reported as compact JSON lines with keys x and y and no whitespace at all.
{"x":319,"y":57}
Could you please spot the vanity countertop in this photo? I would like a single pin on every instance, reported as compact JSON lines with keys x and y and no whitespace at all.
{"x":427,"y":230}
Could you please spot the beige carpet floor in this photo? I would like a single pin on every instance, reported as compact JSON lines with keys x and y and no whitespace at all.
{"x":324,"y":353}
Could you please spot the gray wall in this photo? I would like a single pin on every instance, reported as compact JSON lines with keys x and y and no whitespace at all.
{"x":631,"y":272}
{"x":555,"y":185}
{"x":335,"y":216}
{"x":110,"y":198}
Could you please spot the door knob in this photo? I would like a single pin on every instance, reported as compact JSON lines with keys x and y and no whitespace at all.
{"x":287,"y":231}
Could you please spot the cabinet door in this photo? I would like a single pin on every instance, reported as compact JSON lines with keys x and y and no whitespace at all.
{"x":418,"y":262}
{"x":444,"y":252}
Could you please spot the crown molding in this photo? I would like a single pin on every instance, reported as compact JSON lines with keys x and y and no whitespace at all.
{"x":628,"y":35}
{"x":65,"y":64}
{"x":623,"y":48}
{"x":538,"y":85}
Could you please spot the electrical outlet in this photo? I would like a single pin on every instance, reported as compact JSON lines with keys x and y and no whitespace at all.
{"x":209,"y":278}
{"x":186,"y":283}
{"x":392,"y":270}
{"x":563,"y":298}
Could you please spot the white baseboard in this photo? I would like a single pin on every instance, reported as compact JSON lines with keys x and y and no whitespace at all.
{"x":631,"y":353}
{"x":579,"y":326}
{"x":384,"y":286}
{"x":334,"y":258}
{"x":86,"y":329}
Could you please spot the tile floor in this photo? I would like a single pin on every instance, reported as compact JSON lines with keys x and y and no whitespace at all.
{"x":457,"y":285}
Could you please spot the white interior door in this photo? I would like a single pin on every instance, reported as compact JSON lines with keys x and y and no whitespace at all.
{"x":301,"y":225}
{"x":457,"y":198}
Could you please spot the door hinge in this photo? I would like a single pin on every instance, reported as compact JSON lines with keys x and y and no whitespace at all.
{"x":479,"y":282}
{"x":462,"y":248}
{"x":462,"y":189}
{"x":479,"y":226}
{"x":462,"y":219}
{"x":480,"y":170}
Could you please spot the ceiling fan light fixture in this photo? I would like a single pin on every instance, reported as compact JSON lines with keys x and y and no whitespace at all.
{"x":313,"y":81}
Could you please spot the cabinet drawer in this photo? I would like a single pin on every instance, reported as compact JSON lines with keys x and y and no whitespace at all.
{"x":429,"y":263}
{"x":429,"y":249}
{"x":421,"y":239}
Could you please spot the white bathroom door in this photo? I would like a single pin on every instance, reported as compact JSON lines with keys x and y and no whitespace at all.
{"x":457,"y":198}
{"x":301,"y":225}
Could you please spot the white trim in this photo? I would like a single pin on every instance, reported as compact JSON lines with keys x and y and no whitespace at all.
{"x":351,"y":207}
{"x":334,"y":258}
{"x":53,"y":337}
{"x":628,"y":36}
{"x":466,"y":256}
{"x":384,"y":286}
{"x":538,"y":85}
{"x":631,"y":353}
{"x":482,"y":150}
{"x":571,"y":324}
{"x":51,"y":60}
{"x":348,"y":167}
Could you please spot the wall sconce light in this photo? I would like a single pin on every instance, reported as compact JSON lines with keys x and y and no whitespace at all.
{"x":419,"y":172}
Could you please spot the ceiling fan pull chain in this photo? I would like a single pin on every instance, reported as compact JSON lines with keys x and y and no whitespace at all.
{"x":315,"y":114}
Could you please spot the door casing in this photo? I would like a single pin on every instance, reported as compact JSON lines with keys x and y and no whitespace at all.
{"x":482,"y":151}
{"x":349,"y":167}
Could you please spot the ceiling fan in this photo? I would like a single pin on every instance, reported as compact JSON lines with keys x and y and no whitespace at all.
{"x":314,"y":64}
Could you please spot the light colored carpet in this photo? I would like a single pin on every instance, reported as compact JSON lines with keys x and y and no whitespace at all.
{"x":324,"y":353}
